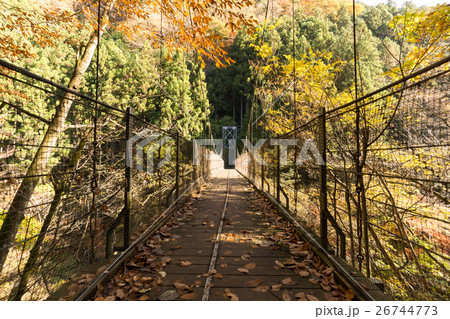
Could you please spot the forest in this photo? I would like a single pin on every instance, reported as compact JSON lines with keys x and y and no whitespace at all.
{"x":188,"y":68}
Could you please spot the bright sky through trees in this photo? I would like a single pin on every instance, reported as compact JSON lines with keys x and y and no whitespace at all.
{"x":401,"y":2}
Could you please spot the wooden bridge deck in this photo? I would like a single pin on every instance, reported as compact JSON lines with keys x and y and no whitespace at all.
{"x":183,"y":261}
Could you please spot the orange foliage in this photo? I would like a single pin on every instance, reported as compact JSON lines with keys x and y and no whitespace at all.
{"x":41,"y":26}
{"x":190,"y":23}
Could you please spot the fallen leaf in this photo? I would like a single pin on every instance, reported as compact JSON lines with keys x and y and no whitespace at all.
{"x":328,"y":270}
{"x":325,"y":287}
{"x":143,"y":291}
{"x":119,"y":293}
{"x":185,"y":263}
{"x":254,"y":246}
{"x":279,"y":264}
{"x":298,"y":252}
{"x":144,"y":298}
{"x":218,"y":276}
{"x":243,"y":270}
{"x":261,"y":289}
{"x":228,"y":252}
{"x":313,"y":281}
{"x":286,"y":296}
{"x":252,"y":283}
{"x":163,"y":274}
{"x":188,"y":296}
{"x":169,"y":295}
{"x":181,"y":286}
{"x":245,"y":257}
{"x":350,"y":294}
{"x":230,"y":295}
{"x":110,"y":298}
{"x":223,"y":265}
{"x":303,"y":273}
{"x":147,"y":278}
{"x":212,"y":272}
{"x":99,"y":299}
{"x":288,"y":281}
{"x":197,"y":282}
{"x":312,"y":297}
{"x":276,"y":287}
{"x":329,"y":297}
{"x":300,"y":295}
{"x":250,"y":266}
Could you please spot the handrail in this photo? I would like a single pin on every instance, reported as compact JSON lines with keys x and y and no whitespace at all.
{"x":359,"y":290}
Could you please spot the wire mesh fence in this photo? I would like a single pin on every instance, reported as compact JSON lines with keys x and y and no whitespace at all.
{"x":79,"y":180}
{"x":381,"y":199}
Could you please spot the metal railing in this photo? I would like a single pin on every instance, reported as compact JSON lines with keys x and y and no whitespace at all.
{"x":89,"y":200}
{"x":381,"y":201}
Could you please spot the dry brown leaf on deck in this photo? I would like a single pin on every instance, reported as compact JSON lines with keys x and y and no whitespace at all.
{"x":185,"y":263}
{"x":143,"y":291}
{"x":245,"y":257}
{"x":229,"y":252}
{"x":99,"y":299}
{"x":328,"y":270}
{"x":119,"y":293}
{"x":243,"y":270}
{"x":218,"y":276}
{"x":286,"y":295}
{"x":144,"y":298}
{"x":147,"y":278}
{"x":169,"y":295}
{"x":229,"y":294}
{"x":250,"y":266}
{"x":210,"y":273}
{"x":279,"y":264}
{"x":110,"y":298}
{"x":261,"y":289}
{"x":223,"y":265}
{"x":288,"y":281}
{"x":350,"y":294}
{"x":300,"y":295}
{"x":329,"y":297}
{"x":312,"y":297}
{"x":304,"y":273}
{"x":313,"y":281}
{"x":252,"y":283}
{"x":181,"y":286}
{"x":325,"y":287}
{"x":188,"y":296}
{"x":276,"y":287}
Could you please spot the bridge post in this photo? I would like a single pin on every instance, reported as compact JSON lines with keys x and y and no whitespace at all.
{"x":262,"y":167}
{"x":177,"y":168}
{"x":278,"y":171}
{"x":128,"y":181}
{"x":323,"y":180}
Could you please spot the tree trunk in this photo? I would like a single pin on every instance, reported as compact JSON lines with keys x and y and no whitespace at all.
{"x":16,"y":212}
{"x":17,"y":293}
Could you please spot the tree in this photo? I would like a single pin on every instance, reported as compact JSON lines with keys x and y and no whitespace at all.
{"x":190,"y":21}
{"x":427,"y":31}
